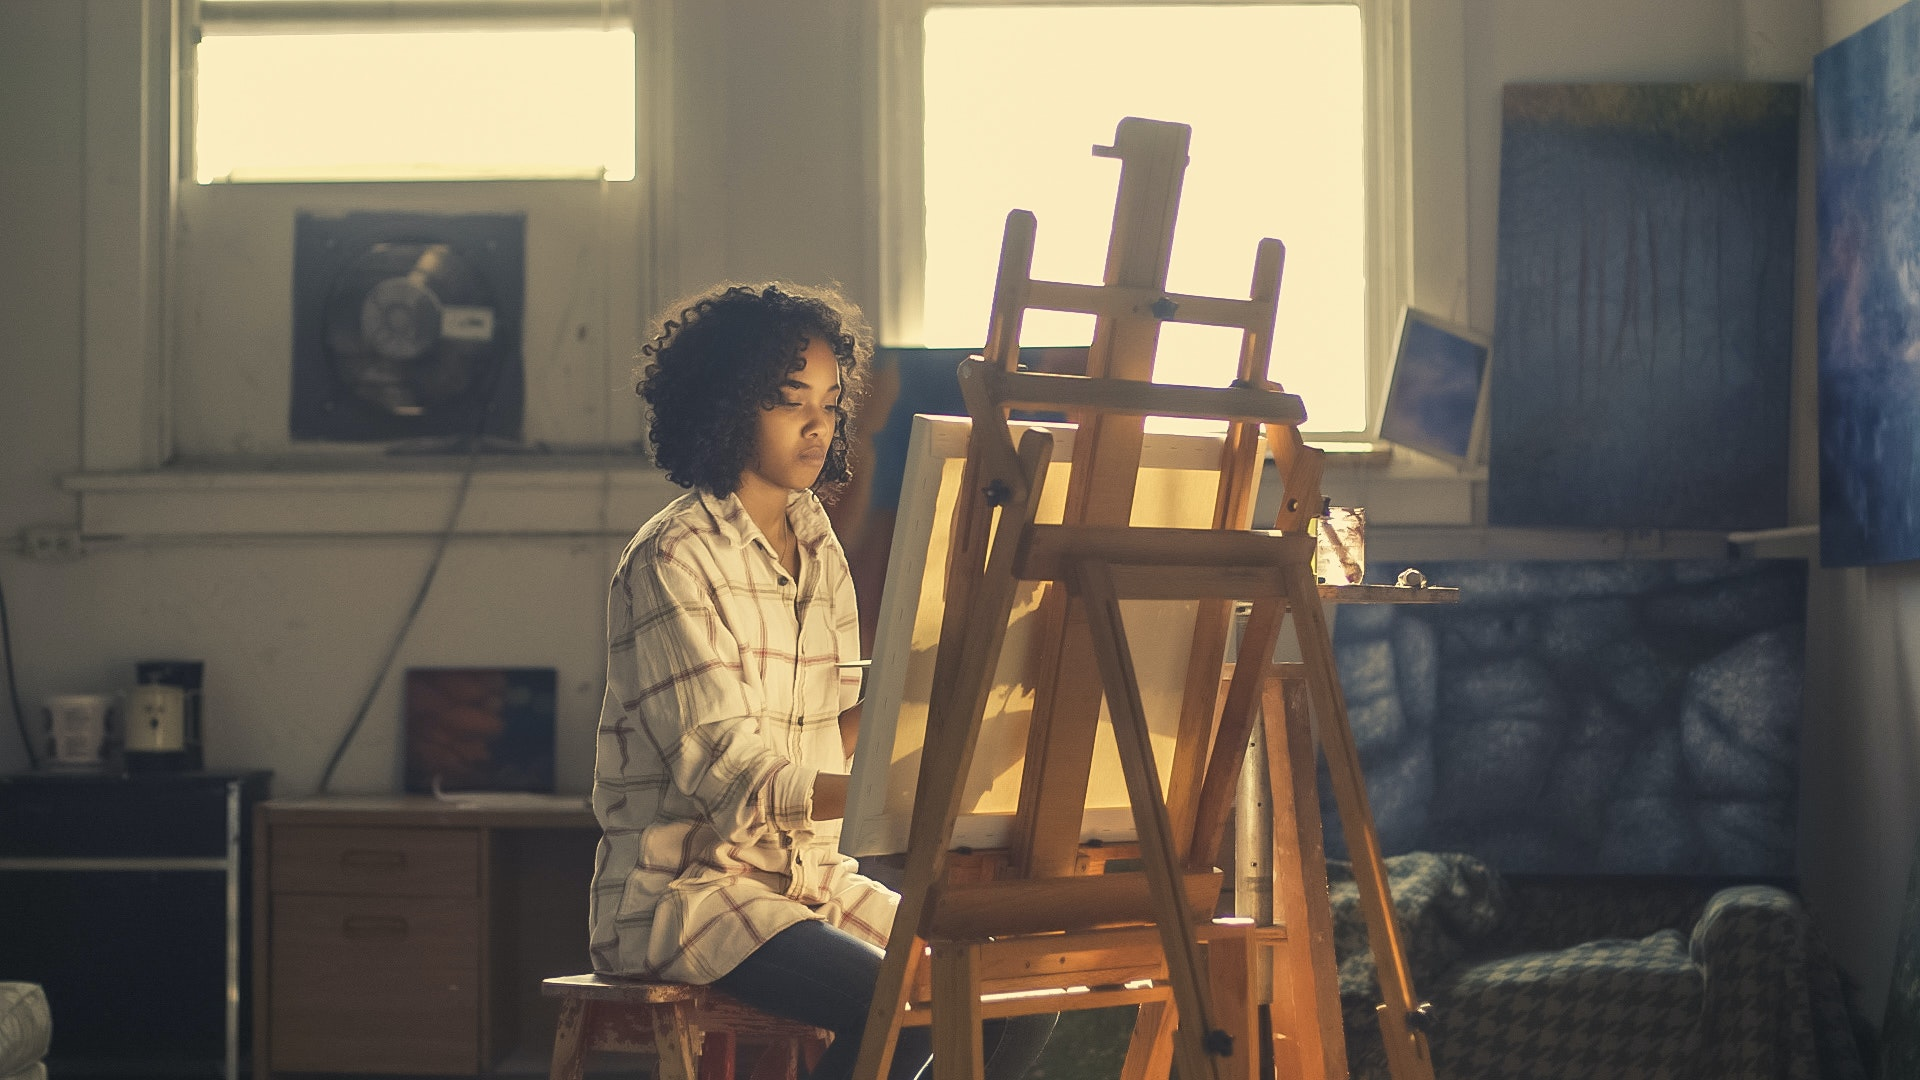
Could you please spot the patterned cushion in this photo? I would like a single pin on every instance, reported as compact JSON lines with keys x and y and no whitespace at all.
{"x":1769,"y":988}
{"x":1750,"y":994}
{"x":25,"y":1027}
{"x":1600,"y":1010}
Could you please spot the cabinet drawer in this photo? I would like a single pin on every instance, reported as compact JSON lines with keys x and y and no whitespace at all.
{"x":375,"y":984}
{"x":376,"y":862}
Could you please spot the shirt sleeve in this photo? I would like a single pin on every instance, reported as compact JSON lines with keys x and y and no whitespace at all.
{"x":691,"y":702}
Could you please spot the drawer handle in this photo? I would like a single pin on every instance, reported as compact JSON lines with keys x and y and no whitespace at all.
{"x":362,"y":927}
{"x":373,"y":860}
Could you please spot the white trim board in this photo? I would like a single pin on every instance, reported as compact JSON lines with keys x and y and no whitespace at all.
{"x":524,"y":499}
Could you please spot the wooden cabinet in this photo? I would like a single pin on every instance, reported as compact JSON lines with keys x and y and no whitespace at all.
{"x":313,"y":859}
{"x":405,"y":935}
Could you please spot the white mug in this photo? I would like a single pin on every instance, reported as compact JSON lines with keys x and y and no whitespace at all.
{"x":77,"y":730}
{"x":156,"y":719}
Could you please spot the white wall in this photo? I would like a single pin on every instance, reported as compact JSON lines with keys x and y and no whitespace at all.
{"x":769,"y":174}
{"x":767,"y":169}
{"x":40,"y":122}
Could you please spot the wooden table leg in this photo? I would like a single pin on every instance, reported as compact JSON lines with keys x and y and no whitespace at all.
{"x":570,"y":1041}
{"x":672,"y":1041}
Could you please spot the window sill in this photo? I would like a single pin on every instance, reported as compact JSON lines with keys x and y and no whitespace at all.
{"x":1396,"y":461}
{"x":320,"y":496}
{"x":575,"y":496}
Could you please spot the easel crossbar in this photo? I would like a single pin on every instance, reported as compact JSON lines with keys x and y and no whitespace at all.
{"x":1196,"y":563}
{"x":1046,"y":905}
{"x":1127,"y":397}
{"x":1117,"y":301}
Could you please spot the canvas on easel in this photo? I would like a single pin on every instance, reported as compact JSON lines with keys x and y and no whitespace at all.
{"x":1175,"y":489}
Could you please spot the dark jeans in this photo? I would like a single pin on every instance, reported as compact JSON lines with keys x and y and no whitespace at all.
{"x":823,"y":976}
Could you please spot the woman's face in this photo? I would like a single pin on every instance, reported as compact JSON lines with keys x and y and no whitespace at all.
{"x":796,"y":432}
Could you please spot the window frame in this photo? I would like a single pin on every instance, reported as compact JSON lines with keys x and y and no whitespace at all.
{"x":137,"y":101}
{"x":900,"y":257}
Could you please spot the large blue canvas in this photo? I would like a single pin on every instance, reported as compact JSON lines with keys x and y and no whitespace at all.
{"x":1867,"y":104}
{"x":1625,"y":717}
{"x":1643,"y":340}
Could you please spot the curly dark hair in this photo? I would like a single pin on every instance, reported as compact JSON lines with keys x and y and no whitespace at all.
{"x":719,"y":358}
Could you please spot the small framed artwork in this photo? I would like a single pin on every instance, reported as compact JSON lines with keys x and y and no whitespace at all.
{"x":479,"y":729}
{"x":1436,"y":401}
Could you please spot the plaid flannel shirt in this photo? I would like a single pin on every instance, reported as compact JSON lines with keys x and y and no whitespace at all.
{"x":722,"y":705}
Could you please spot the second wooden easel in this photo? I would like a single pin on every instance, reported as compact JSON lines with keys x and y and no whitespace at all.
{"x":1144,"y":936}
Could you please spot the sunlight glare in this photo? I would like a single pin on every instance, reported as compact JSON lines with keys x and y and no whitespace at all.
{"x":1274,"y":96}
{"x":415,"y":106}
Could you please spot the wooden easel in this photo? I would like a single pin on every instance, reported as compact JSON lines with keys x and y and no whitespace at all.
{"x":1039,"y":921}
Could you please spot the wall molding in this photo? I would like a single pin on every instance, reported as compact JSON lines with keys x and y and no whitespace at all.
{"x":543,"y":499}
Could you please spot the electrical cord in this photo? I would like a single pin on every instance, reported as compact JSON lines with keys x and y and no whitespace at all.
{"x":13,"y":686}
{"x":413,"y":611}
{"x":477,"y":443}
{"x":474,"y":446}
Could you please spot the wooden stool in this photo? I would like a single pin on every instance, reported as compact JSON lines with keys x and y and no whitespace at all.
{"x":602,"y":1012}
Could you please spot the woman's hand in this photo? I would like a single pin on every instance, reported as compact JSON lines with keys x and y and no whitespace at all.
{"x":850,"y":730}
{"x":829,"y":796}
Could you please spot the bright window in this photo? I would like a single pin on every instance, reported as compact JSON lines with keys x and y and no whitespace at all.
{"x":1016,"y":96}
{"x":420,"y":103}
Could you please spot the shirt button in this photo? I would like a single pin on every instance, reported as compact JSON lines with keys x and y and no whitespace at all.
{"x":783,"y":583}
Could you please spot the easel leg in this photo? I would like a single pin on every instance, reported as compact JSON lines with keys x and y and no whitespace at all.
{"x":1197,"y":1043}
{"x":957,"y":1053}
{"x":1235,"y":726}
{"x":1407,"y":1055}
{"x":962,"y":680}
{"x":1305,"y":972}
{"x":1232,"y":962}
{"x":1150,"y":1050}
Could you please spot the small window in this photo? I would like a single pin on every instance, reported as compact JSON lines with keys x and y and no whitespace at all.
{"x":1014,"y":99}
{"x":288,"y":91}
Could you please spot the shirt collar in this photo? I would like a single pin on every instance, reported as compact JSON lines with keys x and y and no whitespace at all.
{"x":804,"y":513}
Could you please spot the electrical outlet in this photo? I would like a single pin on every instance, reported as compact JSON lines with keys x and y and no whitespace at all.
{"x":53,"y":543}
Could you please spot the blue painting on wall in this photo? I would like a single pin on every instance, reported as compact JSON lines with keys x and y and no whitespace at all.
{"x":1629,"y":717}
{"x":1434,"y":398}
{"x":1645,"y":294}
{"x":1867,"y":104}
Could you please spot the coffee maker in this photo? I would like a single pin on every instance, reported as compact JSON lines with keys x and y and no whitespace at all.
{"x":161,"y":729}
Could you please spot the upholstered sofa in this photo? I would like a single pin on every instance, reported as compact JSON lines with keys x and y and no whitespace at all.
{"x":1600,"y":979}
{"x":25,"y":1030}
